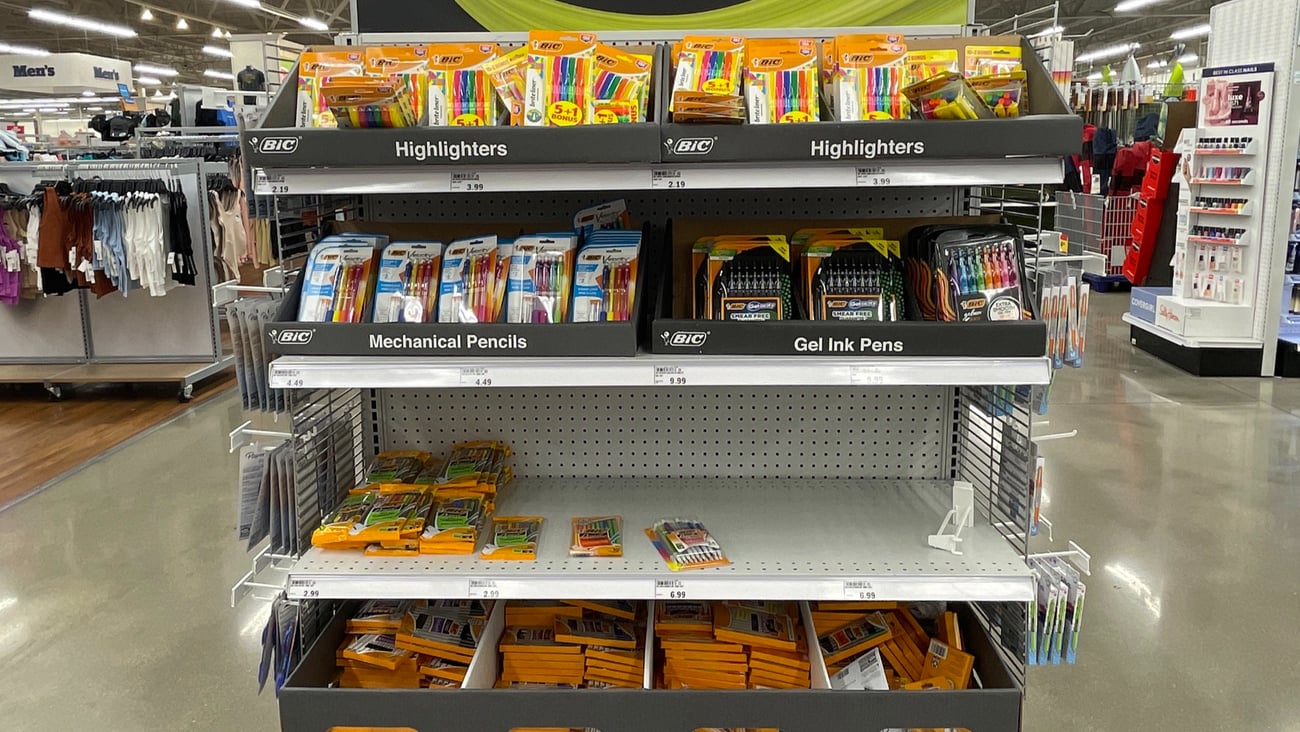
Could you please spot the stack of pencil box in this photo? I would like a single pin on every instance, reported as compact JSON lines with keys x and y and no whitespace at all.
{"x":573,"y":644}
{"x":883,"y":645}
{"x":731,"y":645}
{"x":410,"y":644}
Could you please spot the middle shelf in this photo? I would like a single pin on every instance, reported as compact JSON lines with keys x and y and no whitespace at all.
{"x":788,"y":539}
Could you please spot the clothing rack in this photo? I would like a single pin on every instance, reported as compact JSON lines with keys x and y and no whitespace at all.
{"x":77,"y":338}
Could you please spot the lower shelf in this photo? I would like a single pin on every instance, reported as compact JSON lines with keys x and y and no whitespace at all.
{"x":308,"y":704}
{"x":787,"y":539}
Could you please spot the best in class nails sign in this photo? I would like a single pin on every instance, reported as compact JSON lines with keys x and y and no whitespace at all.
{"x":63,"y":73}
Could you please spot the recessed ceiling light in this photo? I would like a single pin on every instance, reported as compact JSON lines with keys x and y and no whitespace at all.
{"x":218,"y":51}
{"x":1195,"y":31}
{"x":74,"y":21}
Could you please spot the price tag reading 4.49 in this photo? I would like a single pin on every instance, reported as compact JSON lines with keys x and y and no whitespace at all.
{"x":670,"y":376}
{"x":873,"y":177}
{"x":476,"y":376}
{"x":467,"y":183}
{"x":671,"y":590}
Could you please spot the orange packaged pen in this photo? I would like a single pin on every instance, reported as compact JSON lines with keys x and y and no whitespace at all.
{"x":559,"y":89}
{"x":460,"y":89}
{"x":508,"y":74}
{"x":781,"y":80}
{"x":410,"y":66}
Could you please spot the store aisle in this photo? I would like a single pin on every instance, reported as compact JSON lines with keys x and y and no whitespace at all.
{"x":114,"y":589}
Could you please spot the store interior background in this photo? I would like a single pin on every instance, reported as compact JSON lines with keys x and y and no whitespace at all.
{"x":1182,"y":486}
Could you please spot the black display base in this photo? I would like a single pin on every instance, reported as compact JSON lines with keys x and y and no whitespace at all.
{"x":1200,"y":361}
{"x":1018,"y":339}
{"x":1288,"y":360}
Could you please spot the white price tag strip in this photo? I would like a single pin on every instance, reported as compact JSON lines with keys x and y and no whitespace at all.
{"x":866,"y":376}
{"x":874,"y":177}
{"x":286,"y":378}
{"x":303,"y":589}
{"x":269,"y":185}
{"x":467,"y":183}
{"x":476,"y":376}
{"x":670,"y":376}
{"x":671,"y":589}
{"x":667,"y":179}
{"x":860,"y":590}
{"x":484,"y":590}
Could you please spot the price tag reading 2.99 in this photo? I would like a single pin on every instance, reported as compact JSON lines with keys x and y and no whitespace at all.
{"x":484,"y":590}
{"x":671,"y":590}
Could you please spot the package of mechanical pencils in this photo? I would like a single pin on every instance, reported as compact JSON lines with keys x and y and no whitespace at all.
{"x":338,"y":279}
{"x":605,"y":276}
{"x":622,"y":85}
{"x":314,"y":67}
{"x":505,"y":253}
{"x":468,"y":282}
{"x":461,"y":93}
{"x":781,"y":80}
{"x":947,"y":96}
{"x":370,"y":102}
{"x":979,"y":274}
{"x":408,"y":66}
{"x":749,"y":281}
{"x":508,"y":73}
{"x":407,"y":291}
{"x":707,"y":79}
{"x":686,"y":544}
{"x":870,"y":74}
{"x":559,"y":89}
{"x":852,"y":279}
{"x":540,"y":279}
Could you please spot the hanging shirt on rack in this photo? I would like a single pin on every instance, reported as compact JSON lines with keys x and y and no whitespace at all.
{"x":51,"y":255}
{"x":181,"y":243}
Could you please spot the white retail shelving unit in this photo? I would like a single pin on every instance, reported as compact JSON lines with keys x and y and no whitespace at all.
{"x":822,"y":476}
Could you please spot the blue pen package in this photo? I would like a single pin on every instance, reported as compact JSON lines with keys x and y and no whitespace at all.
{"x":604,"y":279}
{"x":540,"y":279}
{"x":407,"y":291}
{"x":338,"y":279}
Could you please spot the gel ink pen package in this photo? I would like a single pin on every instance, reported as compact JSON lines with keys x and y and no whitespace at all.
{"x":852,"y":279}
{"x":749,"y":281}
{"x":979,"y":274}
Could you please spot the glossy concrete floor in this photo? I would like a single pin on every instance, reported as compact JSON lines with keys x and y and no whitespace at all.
{"x":114,"y":586}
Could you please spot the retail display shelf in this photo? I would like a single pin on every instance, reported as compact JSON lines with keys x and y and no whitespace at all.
{"x":1219,"y":211}
{"x":378,"y":372}
{"x":788,"y":539}
{"x":469,"y":178}
{"x":1217,"y":240}
{"x":1186,"y":342}
{"x":1247,"y":181}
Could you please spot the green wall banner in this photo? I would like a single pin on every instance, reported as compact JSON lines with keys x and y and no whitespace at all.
{"x":423,"y":16}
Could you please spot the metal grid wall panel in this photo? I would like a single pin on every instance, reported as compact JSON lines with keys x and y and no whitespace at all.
{"x":329,"y":456}
{"x":691,"y":432}
{"x":994,"y":453}
{"x":658,"y":207}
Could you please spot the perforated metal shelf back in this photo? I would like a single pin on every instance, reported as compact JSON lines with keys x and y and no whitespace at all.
{"x":897,"y":433}
{"x":659,"y":206}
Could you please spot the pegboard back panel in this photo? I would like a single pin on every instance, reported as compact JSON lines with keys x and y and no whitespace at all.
{"x":658,"y":206}
{"x":897,"y":433}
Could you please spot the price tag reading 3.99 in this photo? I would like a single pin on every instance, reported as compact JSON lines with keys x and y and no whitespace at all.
{"x":873,"y":177}
{"x":467,"y":183}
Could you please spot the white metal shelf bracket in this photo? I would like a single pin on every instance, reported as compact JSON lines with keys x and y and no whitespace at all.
{"x":1074,"y":555}
{"x":962,"y":516}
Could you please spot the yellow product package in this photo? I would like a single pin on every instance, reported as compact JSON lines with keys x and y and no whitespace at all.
{"x":337,"y":531}
{"x":454,"y":522}
{"x":387,"y":517}
{"x":514,"y":538}
{"x":396,"y":466}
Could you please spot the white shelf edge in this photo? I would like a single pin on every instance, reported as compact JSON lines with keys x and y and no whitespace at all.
{"x":646,"y":370}
{"x":1208,"y":342}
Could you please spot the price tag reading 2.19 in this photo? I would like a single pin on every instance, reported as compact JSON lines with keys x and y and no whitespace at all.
{"x":667,"y":179}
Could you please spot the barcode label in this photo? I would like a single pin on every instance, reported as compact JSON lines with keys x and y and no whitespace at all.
{"x":671,"y":590}
{"x":467,"y":183}
{"x":476,"y":376}
{"x":859,"y":590}
{"x":667,"y":179}
{"x":670,"y":376}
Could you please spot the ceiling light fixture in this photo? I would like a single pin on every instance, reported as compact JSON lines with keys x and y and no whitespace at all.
{"x":1157,"y":64}
{"x":23,"y":50}
{"x":1189,"y":58}
{"x":94,"y":109}
{"x":182,"y":24}
{"x":218,"y":51}
{"x":1049,"y":31}
{"x":148,"y":81}
{"x":89,"y":93}
{"x":156,"y":70}
{"x":216,"y":32}
{"x":1094,"y":76}
{"x":1195,"y":31}
{"x":1130,"y":5}
{"x":314,"y":24}
{"x":214,"y":74}
{"x":1108,"y":52}
{"x":86,"y":24}
{"x":254,"y":4}
{"x":146,"y":14}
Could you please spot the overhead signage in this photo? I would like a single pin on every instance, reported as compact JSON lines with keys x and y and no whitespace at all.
{"x":62,"y":74}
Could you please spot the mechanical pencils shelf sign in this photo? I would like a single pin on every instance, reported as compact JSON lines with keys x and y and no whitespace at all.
{"x":405,"y":16}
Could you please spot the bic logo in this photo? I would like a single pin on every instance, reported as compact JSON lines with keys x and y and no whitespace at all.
{"x":293,"y":337}
{"x":277,"y":145}
{"x":685,"y":338}
{"x":690,"y":145}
